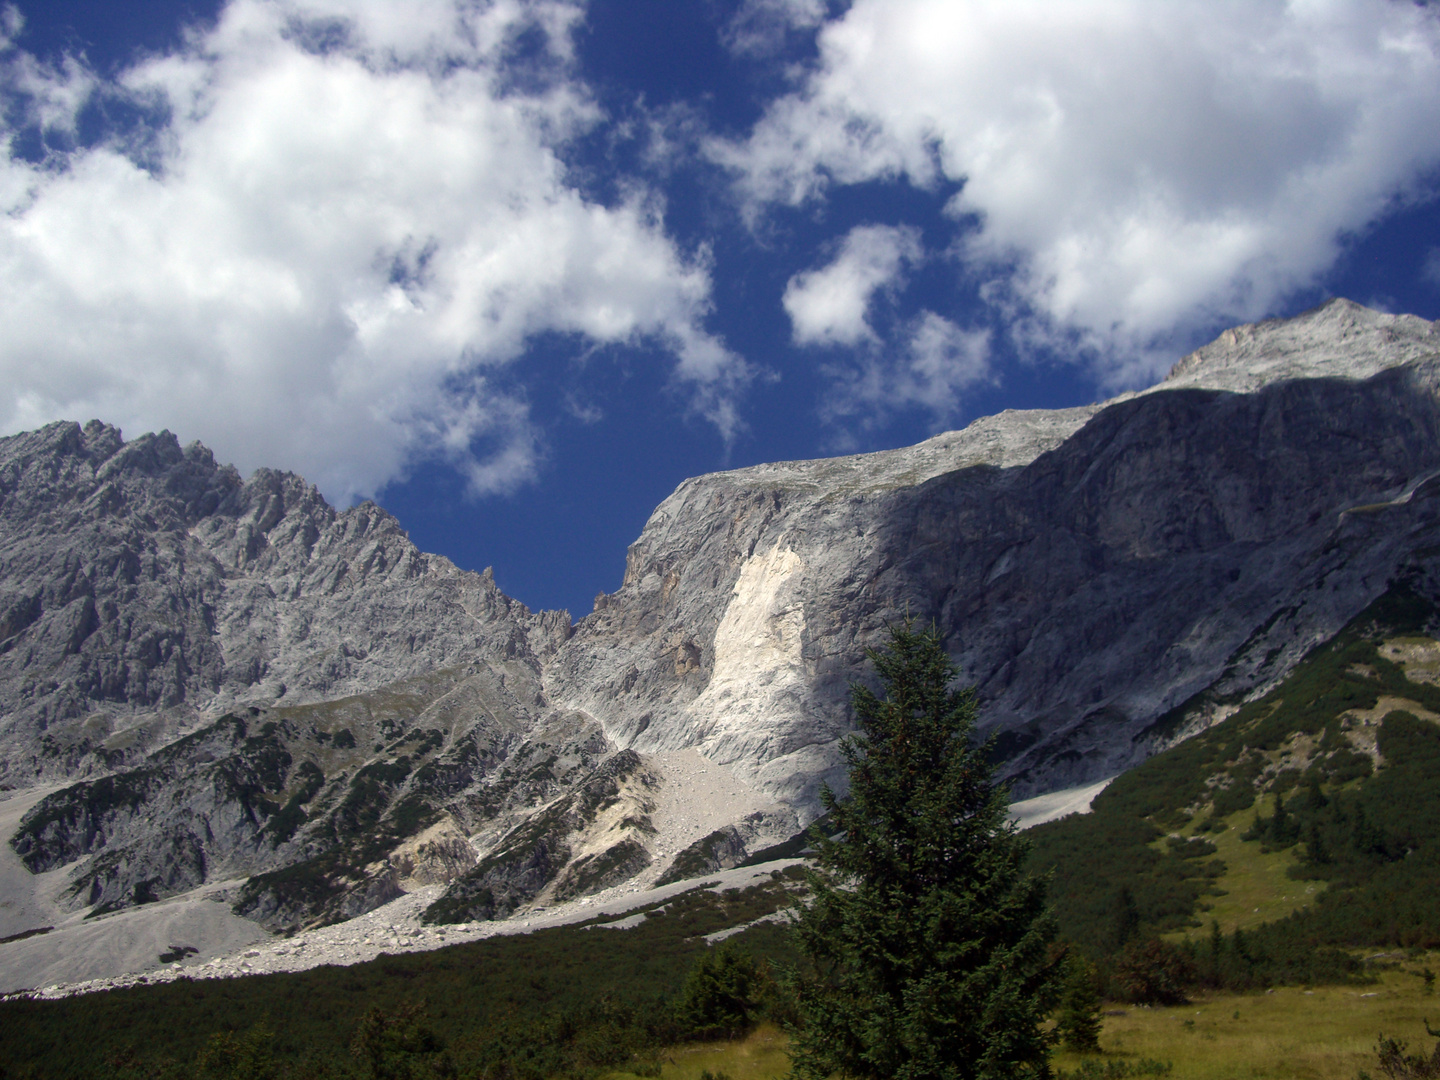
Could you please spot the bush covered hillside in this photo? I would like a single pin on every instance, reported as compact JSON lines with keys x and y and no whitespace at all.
{"x":1305,"y":824}
{"x":573,"y":1001}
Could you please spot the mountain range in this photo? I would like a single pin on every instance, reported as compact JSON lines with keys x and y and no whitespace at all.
{"x":206,"y":678}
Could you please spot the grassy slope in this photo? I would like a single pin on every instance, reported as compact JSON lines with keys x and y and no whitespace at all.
{"x":759,"y":1056}
{"x":1319,"y":730}
{"x":1320,"y":1033}
{"x":1256,"y":887}
{"x":1290,"y":1033}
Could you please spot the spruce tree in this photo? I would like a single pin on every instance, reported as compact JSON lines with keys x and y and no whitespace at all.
{"x":722,"y":995}
{"x":1079,"y":1023}
{"x":928,"y":944}
{"x":1124,"y":919}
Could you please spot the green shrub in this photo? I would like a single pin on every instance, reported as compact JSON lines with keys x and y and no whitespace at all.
{"x":1153,"y":972}
{"x":244,"y":1057}
{"x":1094,"y":1069}
{"x":1394,"y":1061}
{"x":723,"y":994}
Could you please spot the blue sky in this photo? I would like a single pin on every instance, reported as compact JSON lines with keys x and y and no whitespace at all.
{"x":516,"y":269}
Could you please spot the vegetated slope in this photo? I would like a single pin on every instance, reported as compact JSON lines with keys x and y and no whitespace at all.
{"x":569,"y":1001}
{"x":1337,"y":767}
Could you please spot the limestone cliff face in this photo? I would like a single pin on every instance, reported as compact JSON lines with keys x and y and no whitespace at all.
{"x":243,"y":680}
{"x":240,"y":681}
{"x":143,"y":588}
{"x":1091,"y":568}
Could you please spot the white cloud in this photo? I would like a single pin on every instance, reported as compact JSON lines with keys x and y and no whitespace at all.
{"x":1431,"y":270}
{"x":353,"y":229}
{"x":828,"y":306}
{"x":1132,"y":169}
{"x":759,"y":27}
{"x":936,"y":364}
{"x":943,"y":360}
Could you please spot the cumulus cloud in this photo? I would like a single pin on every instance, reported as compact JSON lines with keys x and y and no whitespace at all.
{"x":829,"y":306}
{"x":327,"y":250}
{"x":929,"y":368}
{"x":1129,"y":169}
{"x":943,"y":360}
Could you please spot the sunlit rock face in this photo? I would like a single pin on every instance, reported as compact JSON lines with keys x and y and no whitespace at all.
{"x":143,"y":587}
{"x":232,"y":680}
{"x":239,"y":678}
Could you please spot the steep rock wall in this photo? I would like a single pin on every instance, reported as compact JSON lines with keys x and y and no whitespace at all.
{"x":143,"y":587}
{"x":1091,"y":568}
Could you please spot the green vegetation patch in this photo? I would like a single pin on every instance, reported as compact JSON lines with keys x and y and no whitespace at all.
{"x":1292,"y":1033}
{"x":569,"y":1001}
{"x":1278,"y":812}
{"x":283,"y":825}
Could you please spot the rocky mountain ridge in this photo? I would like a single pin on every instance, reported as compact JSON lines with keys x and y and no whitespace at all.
{"x":245,"y":682}
{"x":1154,"y":535}
{"x":142,"y":580}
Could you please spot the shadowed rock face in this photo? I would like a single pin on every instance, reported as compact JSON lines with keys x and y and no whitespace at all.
{"x":277,"y":689}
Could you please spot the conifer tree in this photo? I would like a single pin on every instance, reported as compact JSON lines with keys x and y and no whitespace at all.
{"x":1124,"y":919}
{"x":1079,"y":1023}
{"x":928,"y":944}
{"x":722,"y":994}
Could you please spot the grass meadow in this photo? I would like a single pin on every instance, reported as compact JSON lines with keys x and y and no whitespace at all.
{"x":759,"y":1056}
{"x":1290,"y":1033}
{"x":1256,"y":886}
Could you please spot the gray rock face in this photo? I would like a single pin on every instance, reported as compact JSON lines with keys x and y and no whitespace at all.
{"x":241,"y":681}
{"x":1091,"y":568}
{"x":722,"y":849}
{"x":143,"y":587}
{"x":583,"y":842}
{"x":197,"y":643}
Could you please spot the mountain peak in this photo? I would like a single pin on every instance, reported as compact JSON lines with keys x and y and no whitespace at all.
{"x":1337,"y":339}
